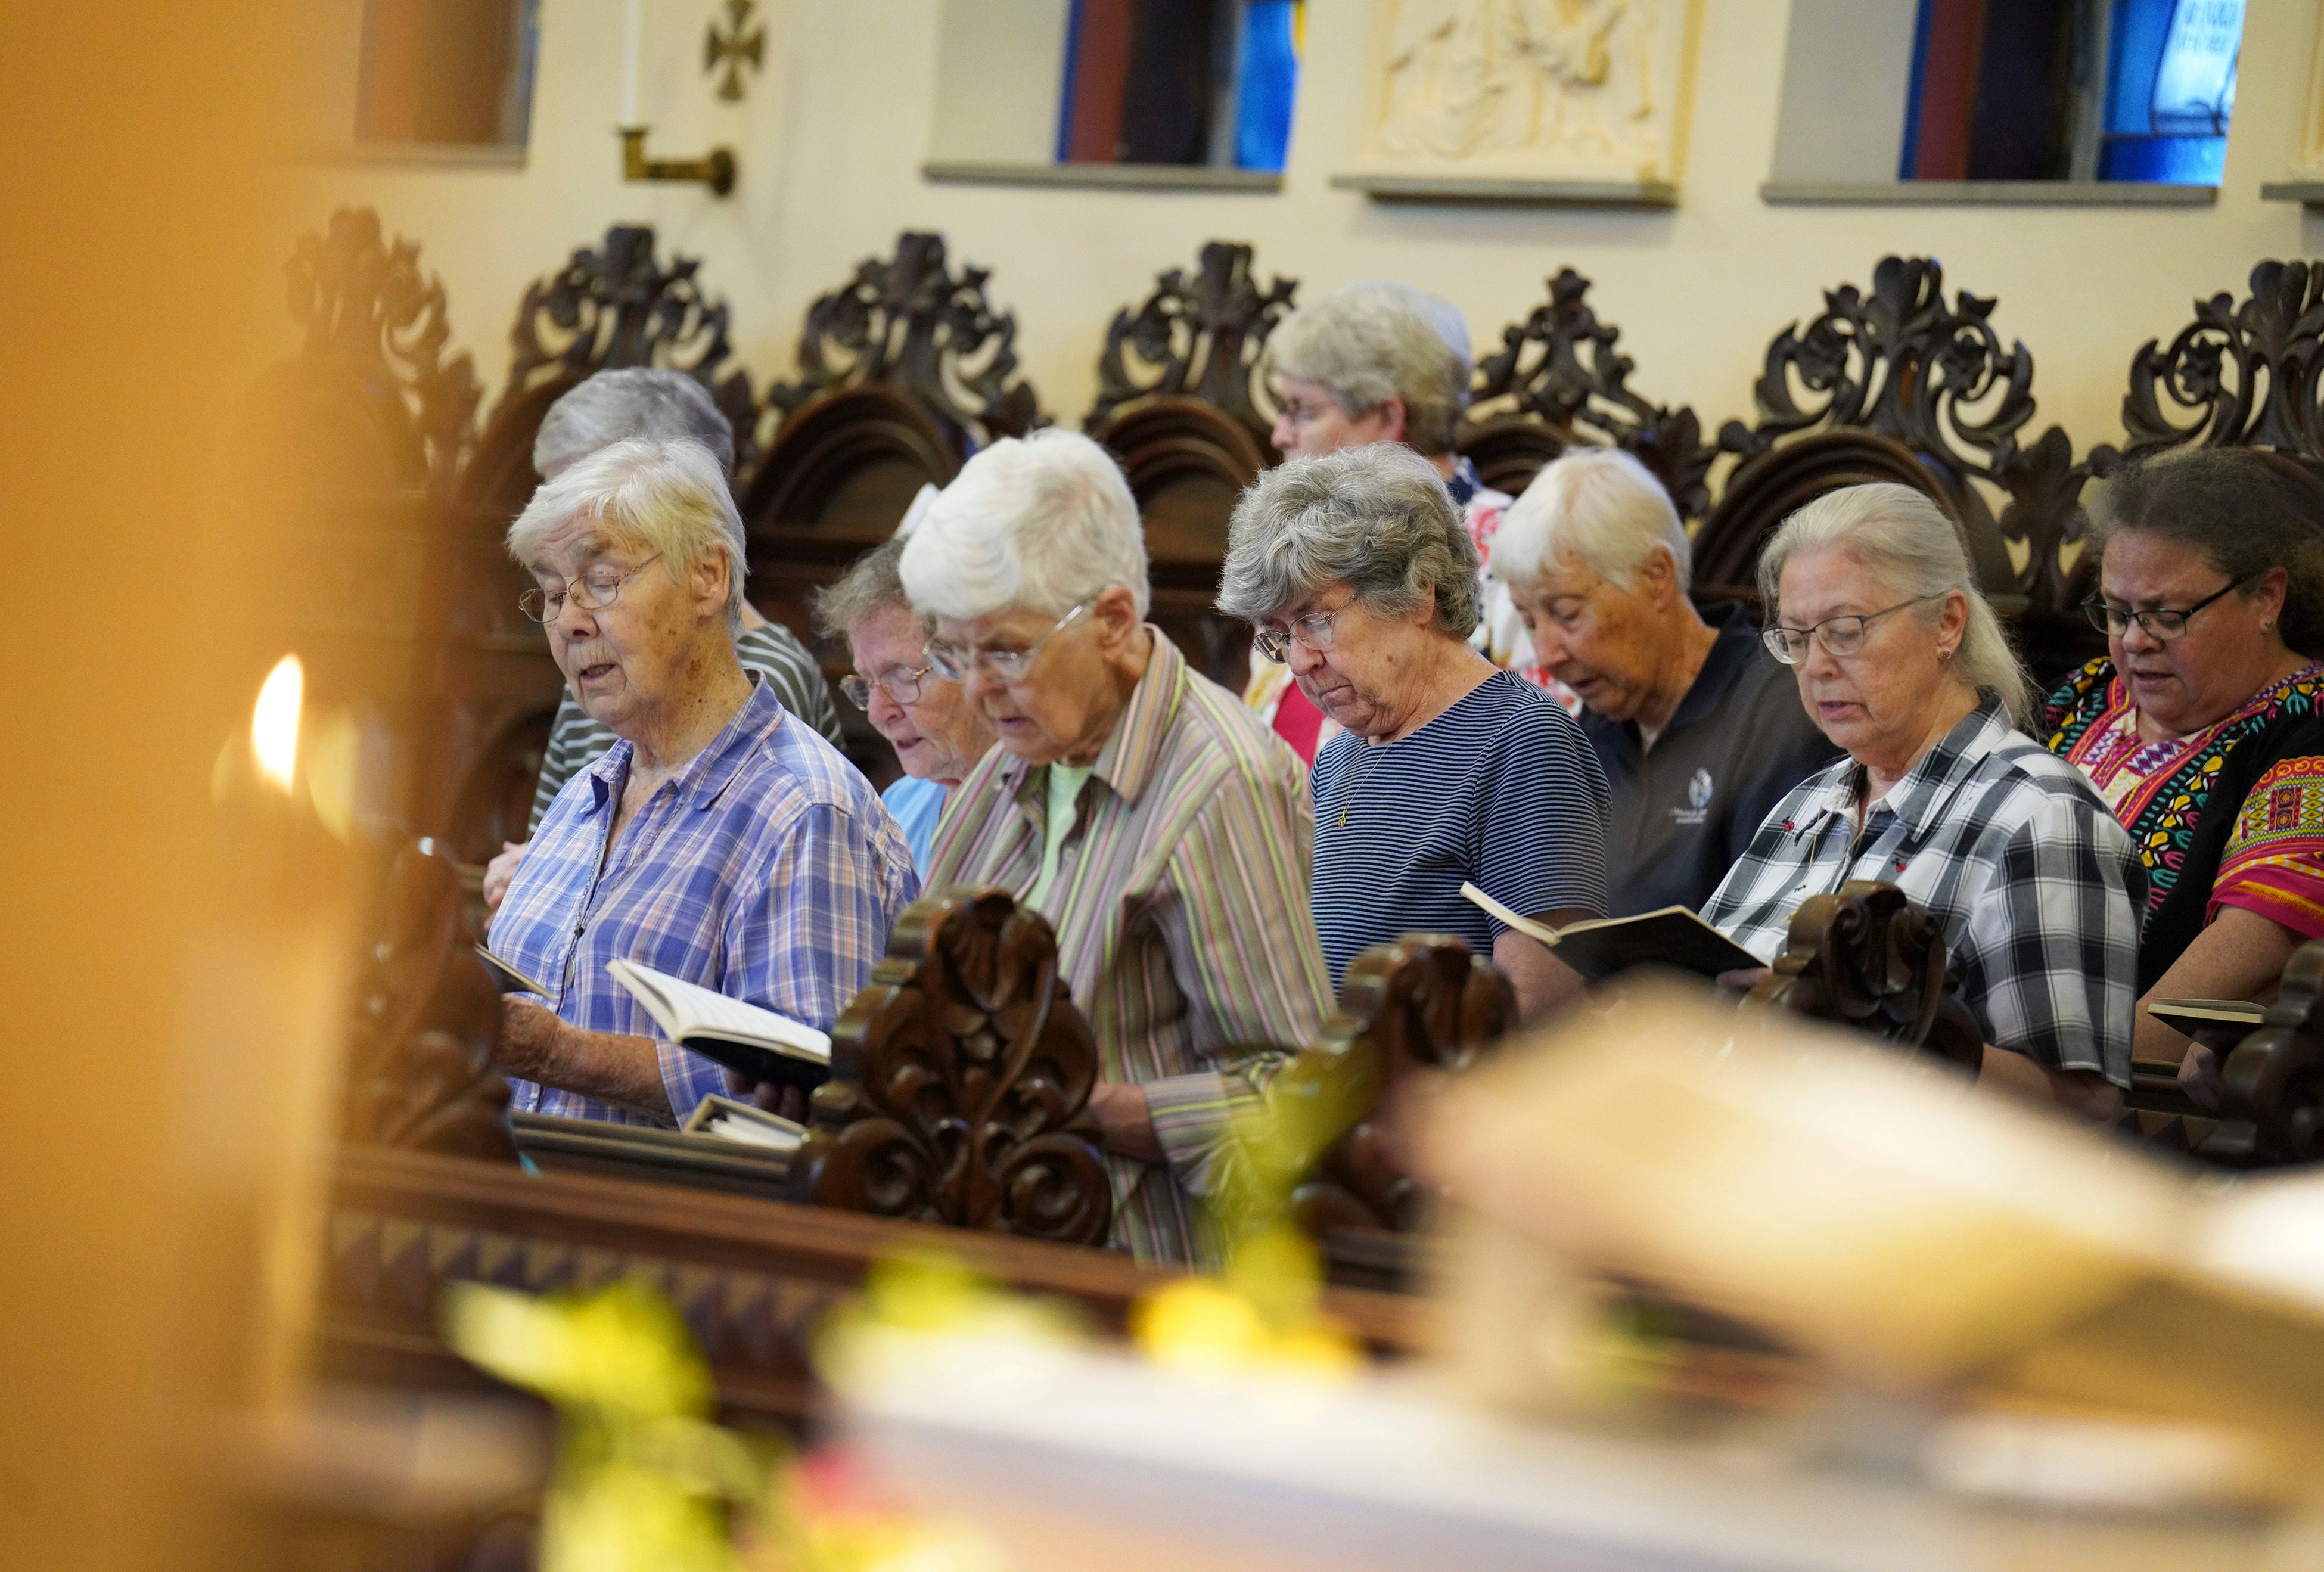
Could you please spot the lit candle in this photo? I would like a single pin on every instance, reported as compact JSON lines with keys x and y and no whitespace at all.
{"x":632,"y":42}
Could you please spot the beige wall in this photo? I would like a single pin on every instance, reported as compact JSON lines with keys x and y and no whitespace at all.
{"x":833,"y":133}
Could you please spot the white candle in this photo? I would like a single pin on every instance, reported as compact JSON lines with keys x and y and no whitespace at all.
{"x":632,"y":42}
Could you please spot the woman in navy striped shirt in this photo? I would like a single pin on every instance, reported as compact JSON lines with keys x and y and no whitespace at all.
{"x":1353,"y":569}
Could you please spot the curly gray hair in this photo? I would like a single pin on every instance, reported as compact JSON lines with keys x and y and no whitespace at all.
{"x":1377,"y":517}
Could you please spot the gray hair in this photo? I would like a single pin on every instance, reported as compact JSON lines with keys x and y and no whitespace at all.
{"x":1371,"y":342}
{"x":1377,"y":517}
{"x":2245,"y":511}
{"x":1044,"y":523}
{"x":1905,"y":540}
{"x":668,"y":496}
{"x":615,"y":406}
{"x":870,"y":583}
{"x":1598,"y":505}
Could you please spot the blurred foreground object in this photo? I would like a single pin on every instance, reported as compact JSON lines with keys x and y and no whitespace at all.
{"x":1915,"y":1240}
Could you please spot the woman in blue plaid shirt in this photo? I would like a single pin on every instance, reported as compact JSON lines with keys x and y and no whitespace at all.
{"x":1901,"y":662}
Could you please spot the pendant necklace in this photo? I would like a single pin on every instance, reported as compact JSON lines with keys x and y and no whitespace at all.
{"x":1371,"y":750}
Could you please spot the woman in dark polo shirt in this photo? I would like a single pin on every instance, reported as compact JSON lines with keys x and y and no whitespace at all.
{"x":1699,"y":730}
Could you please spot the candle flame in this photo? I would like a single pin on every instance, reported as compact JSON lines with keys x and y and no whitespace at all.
{"x":275,"y":721}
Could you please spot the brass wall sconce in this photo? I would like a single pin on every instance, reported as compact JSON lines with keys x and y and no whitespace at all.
{"x":715,"y":169}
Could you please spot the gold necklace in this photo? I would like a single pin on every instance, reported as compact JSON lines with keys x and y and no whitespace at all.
{"x":1371,"y":750}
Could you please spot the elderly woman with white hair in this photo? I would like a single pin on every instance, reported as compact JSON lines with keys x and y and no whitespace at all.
{"x":1382,"y":362}
{"x":719,"y":840}
{"x":654,"y":405}
{"x":1356,"y":573}
{"x":1903,"y":663}
{"x":1699,"y":731}
{"x":1137,"y":805}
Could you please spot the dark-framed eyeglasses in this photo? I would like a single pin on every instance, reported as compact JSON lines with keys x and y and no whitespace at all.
{"x":1839,"y":635}
{"x":2159,"y":622}
{"x":593,"y":591}
{"x":899,"y":685}
{"x":1315,"y":630}
{"x":955,"y":661}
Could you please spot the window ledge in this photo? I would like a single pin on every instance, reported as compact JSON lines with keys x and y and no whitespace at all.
{"x":1988,"y":193}
{"x":1487,"y":189}
{"x":2310,"y":193}
{"x":1104,"y":177}
{"x":426,"y":154}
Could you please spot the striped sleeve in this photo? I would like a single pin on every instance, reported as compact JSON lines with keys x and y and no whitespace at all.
{"x":775,"y":653}
{"x":575,"y":742}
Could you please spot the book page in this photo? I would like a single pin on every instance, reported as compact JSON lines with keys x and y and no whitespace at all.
{"x":687,"y":1010}
{"x":1508,"y":919}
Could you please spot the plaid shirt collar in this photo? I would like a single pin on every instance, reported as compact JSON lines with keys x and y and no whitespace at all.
{"x":708,"y":774}
{"x":1128,"y":760}
{"x":1918,"y":800}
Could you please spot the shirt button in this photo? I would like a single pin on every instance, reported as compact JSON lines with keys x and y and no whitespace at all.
{"x":577,"y":927}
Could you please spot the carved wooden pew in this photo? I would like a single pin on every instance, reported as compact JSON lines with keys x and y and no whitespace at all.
{"x":2271,"y":1107}
{"x":1558,"y":381}
{"x":964,"y":1070}
{"x":1865,"y":957}
{"x":1900,"y":385}
{"x":1177,"y":406}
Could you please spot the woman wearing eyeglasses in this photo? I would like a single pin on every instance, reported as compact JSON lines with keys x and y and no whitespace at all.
{"x":937,"y":734}
{"x":2200,"y":726}
{"x":1903,"y":664}
{"x":720,"y":840}
{"x":1139,"y":806}
{"x":1354,"y":570}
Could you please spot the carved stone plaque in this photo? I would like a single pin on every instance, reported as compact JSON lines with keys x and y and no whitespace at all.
{"x":1583,"y":91}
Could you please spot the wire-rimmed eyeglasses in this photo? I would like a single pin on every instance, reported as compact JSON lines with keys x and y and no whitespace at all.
{"x":593,"y":591}
{"x":900,"y":685}
{"x":954,"y":662}
{"x":1839,"y":635}
{"x":1315,"y":629}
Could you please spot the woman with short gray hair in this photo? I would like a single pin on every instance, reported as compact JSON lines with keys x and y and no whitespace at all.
{"x":652,"y":404}
{"x":1355,"y":572}
{"x":1903,"y":663}
{"x":1133,"y":802}
{"x":719,"y":841}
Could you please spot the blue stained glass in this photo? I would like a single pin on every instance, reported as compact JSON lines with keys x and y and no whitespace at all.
{"x":1270,"y":84}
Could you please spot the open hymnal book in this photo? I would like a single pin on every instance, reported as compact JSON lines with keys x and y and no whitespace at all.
{"x":1606,"y":947}
{"x":2192,"y":1015}
{"x":729,"y":1120}
{"x":750,"y":1041}
{"x":507,"y":978}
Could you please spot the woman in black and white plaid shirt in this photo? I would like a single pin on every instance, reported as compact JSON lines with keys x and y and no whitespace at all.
{"x":1903,"y":663}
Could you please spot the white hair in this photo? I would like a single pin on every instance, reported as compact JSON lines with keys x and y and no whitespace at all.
{"x":1043,"y":524}
{"x":1368,"y":343}
{"x":670,"y":496}
{"x":1598,"y":507}
{"x":1903,"y":540}
{"x":640,"y":401}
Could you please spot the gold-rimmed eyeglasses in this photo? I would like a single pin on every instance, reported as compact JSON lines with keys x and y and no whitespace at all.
{"x":900,"y":685}
{"x":593,"y":591}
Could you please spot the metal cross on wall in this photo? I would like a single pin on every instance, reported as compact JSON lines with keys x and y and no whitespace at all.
{"x":732,"y":48}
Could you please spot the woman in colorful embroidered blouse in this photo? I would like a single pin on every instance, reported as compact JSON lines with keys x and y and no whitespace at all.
{"x":2203,"y":725}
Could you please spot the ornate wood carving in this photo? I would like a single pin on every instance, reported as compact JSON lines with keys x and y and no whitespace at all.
{"x":1423,"y":1002}
{"x":370,"y":314}
{"x":1867,"y":957}
{"x":960,"y":1081}
{"x":2247,"y":373}
{"x":1557,"y":379}
{"x":752,"y":1277}
{"x":1199,"y":337}
{"x":420,"y":1064}
{"x":912,"y":323}
{"x":2272,"y":1109}
{"x":1904,"y":386}
{"x":616,"y":307}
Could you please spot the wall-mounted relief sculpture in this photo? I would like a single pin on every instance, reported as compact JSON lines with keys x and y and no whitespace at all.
{"x":1578,"y":99}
